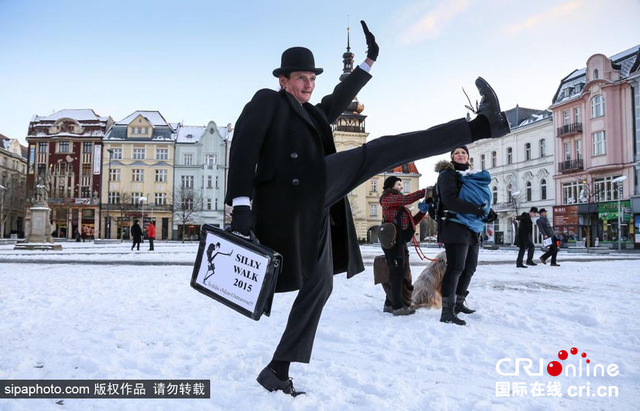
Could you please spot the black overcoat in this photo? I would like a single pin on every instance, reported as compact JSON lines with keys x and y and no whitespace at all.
{"x":525,"y":229}
{"x":277,"y":160}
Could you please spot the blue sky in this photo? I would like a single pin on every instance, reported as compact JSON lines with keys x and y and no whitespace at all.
{"x":197,"y":61}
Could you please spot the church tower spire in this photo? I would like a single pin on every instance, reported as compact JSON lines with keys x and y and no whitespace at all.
{"x":347,"y":60}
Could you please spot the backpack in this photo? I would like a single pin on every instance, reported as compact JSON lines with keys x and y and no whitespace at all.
{"x":436,"y":210}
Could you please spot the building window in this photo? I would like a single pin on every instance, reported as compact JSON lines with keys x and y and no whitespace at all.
{"x":211,"y":159}
{"x":187,"y":181}
{"x":528,"y":190}
{"x":567,"y":151}
{"x":565,"y":118}
{"x":578,"y":149}
{"x":494,"y":191}
{"x":162,"y":153}
{"x":543,"y":147}
{"x":161,"y":198}
{"x":597,"y":106}
{"x":571,"y":193}
{"x":161,"y":176}
{"x":527,"y":151}
{"x":543,"y":189}
{"x":135,"y":198}
{"x":509,"y":155}
{"x":209,"y":181}
{"x":217,"y":182}
{"x":43,"y":147}
{"x":114,"y":174}
{"x":114,"y":198}
{"x":208,"y":204}
{"x":374,"y":185}
{"x":596,"y":75}
{"x":405,"y":187}
{"x":599,"y":144}
{"x":116,"y":154}
{"x":605,"y":190}
{"x":87,"y":147}
{"x":187,"y":159}
{"x":509,"y":196}
{"x":577,"y":116}
{"x":494,"y":159}
{"x":482,"y":162}
{"x":137,"y":174}
{"x":138,"y":153}
{"x":187,"y":204}
{"x":63,"y":147}
{"x":373,"y":210}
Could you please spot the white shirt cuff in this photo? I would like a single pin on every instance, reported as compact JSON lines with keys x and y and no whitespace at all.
{"x":364,"y":66}
{"x":241,"y":201}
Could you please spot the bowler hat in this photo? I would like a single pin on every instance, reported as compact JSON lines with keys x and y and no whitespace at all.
{"x":297,"y":59}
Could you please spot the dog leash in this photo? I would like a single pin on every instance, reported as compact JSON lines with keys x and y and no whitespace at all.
{"x":421,"y":253}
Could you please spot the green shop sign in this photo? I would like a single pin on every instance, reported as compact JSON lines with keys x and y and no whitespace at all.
{"x":609,"y":211}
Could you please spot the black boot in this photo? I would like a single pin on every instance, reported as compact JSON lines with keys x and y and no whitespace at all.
{"x":448,"y":315}
{"x":460,"y":307}
{"x":490,"y":108}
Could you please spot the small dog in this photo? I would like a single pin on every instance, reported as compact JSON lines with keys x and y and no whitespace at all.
{"x":427,"y":289}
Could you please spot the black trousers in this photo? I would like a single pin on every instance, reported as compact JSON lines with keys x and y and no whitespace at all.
{"x":530,"y":248}
{"x":552,"y":252}
{"x":397,"y":261}
{"x":345,"y":171}
{"x":462,"y":260}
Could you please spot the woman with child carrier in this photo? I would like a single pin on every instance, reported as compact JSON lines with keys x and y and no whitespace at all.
{"x":465,"y":203}
{"x":395,"y":249}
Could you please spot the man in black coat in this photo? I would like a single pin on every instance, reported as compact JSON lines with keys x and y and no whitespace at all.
{"x":287,"y":183}
{"x":523,"y":238}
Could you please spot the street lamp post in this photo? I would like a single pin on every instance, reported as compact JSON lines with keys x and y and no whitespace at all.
{"x":108,"y":225}
{"x":3,"y":189}
{"x":619,"y":181}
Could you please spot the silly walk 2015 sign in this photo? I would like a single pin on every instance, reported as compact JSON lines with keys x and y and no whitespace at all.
{"x":239,"y":273}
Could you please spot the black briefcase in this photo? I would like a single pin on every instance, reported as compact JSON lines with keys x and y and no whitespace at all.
{"x":239,"y":273}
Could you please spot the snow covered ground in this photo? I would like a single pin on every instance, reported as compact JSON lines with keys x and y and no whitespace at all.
{"x":96,"y":311}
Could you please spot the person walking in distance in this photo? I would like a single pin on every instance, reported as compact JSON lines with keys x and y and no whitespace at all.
{"x":547,"y":232}
{"x":523,"y":240}
{"x":151,"y":234}
{"x":136,"y":234}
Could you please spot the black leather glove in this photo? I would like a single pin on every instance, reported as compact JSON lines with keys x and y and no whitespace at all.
{"x":241,"y":220}
{"x":372,"y":46}
{"x":491,"y":217}
{"x":479,"y":212}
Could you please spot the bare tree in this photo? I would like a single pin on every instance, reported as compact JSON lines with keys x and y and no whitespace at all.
{"x":187,"y":204}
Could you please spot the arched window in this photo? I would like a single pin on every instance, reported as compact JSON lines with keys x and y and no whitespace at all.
{"x":494,"y":159}
{"x":543,"y":189}
{"x":509,"y":155}
{"x":597,"y":106}
{"x":482,"y":162}
{"x":527,"y":151}
{"x":494,"y":190}
{"x":596,"y":75}
{"x":543,"y":148}
{"x":528,"y":189}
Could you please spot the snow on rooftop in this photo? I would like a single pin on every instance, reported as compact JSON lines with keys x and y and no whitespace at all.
{"x":190,"y":134}
{"x":77,"y":114}
{"x":154,"y":118}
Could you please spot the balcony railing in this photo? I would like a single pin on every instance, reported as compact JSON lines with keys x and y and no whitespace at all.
{"x":569,"y":129}
{"x":570,"y":166}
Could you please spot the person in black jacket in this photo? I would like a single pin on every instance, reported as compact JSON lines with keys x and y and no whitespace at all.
{"x":460,"y":242}
{"x":523,"y":238}
{"x":136,"y":234}
{"x":289,"y":186}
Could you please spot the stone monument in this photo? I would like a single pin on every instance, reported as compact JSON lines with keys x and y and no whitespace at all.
{"x":39,"y":227}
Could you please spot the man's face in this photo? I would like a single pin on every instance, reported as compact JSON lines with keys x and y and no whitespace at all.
{"x":300,"y":85}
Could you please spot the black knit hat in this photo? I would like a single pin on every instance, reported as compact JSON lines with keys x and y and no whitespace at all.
{"x":542,"y":210}
{"x":462,"y":147}
{"x":534,"y":210}
{"x":390,"y":181}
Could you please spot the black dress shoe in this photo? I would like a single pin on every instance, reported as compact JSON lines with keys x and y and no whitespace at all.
{"x":531,"y":263}
{"x":270,"y":381}
{"x":554,"y":265}
{"x":521,"y":266}
{"x":490,"y":108}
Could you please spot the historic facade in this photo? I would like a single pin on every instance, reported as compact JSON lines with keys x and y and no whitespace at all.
{"x":139,"y":165}
{"x":64,"y":161}
{"x":593,"y":112}
{"x":522,"y":168}
{"x":13,"y":176}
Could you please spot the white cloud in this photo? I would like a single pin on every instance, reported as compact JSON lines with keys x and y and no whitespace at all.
{"x":432,"y":24}
{"x":554,"y":14}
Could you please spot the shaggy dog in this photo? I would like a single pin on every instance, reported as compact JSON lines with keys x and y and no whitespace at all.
{"x":427,"y":289}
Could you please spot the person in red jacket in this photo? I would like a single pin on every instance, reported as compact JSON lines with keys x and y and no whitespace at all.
{"x":151,"y":234}
{"x":394,"y":210}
